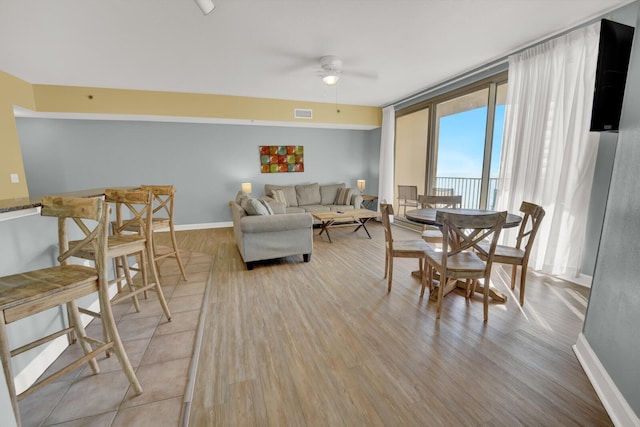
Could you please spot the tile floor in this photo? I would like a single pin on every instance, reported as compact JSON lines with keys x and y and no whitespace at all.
{"x":160,"y":352}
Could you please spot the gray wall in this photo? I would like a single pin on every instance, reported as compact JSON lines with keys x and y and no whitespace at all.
{"x":206,"y":162}
{"x":613,"y":313}
{"x":604,"y":165}
{"x":598,"y":201}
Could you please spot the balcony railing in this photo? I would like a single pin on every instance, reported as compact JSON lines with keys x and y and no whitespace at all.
{"x":468,"y":188}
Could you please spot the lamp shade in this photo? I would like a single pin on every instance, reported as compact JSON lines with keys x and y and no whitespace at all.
{"x":246,"y":187}
{"x":361,"y":184}
{"x":206,"y":6}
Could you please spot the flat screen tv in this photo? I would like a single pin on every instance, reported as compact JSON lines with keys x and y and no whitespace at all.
{"x":611,"y":75}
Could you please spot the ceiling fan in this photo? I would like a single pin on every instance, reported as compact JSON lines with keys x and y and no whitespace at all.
{"x":332,"y":70}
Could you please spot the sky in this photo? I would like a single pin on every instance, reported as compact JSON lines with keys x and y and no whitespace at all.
{"x":461,"y":143}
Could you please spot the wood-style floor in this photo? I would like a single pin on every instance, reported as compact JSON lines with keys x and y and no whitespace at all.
{"x":324,"y":344}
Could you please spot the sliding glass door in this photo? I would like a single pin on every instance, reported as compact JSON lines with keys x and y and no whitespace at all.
{"x":461,"y":127}
{"x":461,"y":149}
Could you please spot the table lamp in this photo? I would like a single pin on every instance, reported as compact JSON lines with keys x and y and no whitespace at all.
{"x":361,"y":183}
{"x":246,"y":187}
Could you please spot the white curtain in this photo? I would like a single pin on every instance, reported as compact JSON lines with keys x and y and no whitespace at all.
{"x":387,"y":141}
{"x":548,"y":153}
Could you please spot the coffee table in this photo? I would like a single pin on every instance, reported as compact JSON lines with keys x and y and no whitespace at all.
{"x":358,"y":217}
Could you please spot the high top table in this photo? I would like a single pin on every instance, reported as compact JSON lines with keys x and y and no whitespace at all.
{"x":428,"y":216}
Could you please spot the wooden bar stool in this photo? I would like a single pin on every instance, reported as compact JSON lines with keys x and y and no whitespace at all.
{"x":163,"y":201}
{"x":132,"y":211}
{"x":25,"y":294}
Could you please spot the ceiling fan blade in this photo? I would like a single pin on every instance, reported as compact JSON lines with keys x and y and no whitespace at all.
{"x":372,"y":75}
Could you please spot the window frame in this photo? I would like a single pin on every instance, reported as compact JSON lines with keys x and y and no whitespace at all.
{"x":491,"y":83}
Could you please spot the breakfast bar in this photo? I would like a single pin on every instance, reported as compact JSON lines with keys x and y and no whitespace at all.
{"x":30,"y":242}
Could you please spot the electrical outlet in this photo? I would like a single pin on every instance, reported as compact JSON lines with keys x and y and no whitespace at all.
{"x":14,"y":178}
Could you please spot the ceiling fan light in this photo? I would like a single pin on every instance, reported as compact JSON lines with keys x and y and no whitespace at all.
{"x":330,"y":79}
{"x":206,"y":6}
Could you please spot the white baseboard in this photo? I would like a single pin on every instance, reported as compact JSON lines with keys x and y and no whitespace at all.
{"x":204,"y":226}
{"x":580,"y":279}
{"x":615,"y":404}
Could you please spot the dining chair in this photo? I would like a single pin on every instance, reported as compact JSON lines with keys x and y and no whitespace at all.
{"x":459,"y":257}
{"x":416,"y":248}
{"x":162,"y":219}
{"x":431,"y":234}
{"x":132,"y":210}
{"x":407,"y":196}
{"x":442,"y":191}
{"x":518,"y":255}
{"x":29,"y":293}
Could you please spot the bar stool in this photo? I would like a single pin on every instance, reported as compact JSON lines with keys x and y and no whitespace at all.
{"x":132,"y":211}
{"x":162,"y":218}
{"x":29,"y":293}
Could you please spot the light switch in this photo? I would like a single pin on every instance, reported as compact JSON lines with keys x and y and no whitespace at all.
{"x":14,"y":178}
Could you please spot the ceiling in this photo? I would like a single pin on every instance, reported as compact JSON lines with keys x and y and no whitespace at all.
{"x":271,"y":48}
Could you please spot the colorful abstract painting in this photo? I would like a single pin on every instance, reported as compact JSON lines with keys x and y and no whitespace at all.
{"x":281,"y":158}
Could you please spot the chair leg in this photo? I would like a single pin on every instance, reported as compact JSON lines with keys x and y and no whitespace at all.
{"x":485,"y":297}
{"x":147,"y":260}
{"x":5,"y":355}
{"x":390,"y":274}
{"x":124,"y":264}
{"x":81,"y":334}
{"x":514,"y":270}
{"x":470,"y":288}
{"x":424,"y":277}
{"x":114,"y":336}
{"x":386,"y":264}
{"x":431,"y":285}
{"x":523,"y":280}
{"x":443,"y":284}
{"x":174,"y":241}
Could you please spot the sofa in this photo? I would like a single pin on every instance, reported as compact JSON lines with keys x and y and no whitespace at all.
{"x":314,"y":197}
{"x":264,"y":230}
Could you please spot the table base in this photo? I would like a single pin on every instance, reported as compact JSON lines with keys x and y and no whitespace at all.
{"x":494,"y":293}
{"x":332,"y":223}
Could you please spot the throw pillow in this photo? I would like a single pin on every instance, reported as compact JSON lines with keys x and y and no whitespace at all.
{"x":329,"y":192}
{"x":308,"y":194}
{"x":279,"y":196}
{"x":254,"y":207}
{"x":267,"y":206}
{"x":343,"y":196}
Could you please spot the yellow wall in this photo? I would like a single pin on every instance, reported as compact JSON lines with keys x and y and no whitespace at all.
{"x":411,"y":150}
{"x":72,"y":99}
{"x":13,"y":91}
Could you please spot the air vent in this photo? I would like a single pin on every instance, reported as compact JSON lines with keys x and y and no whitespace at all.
{"x":301,"y":113}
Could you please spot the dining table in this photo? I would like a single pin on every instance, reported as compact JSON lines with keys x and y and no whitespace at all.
{"x":428,"y":216}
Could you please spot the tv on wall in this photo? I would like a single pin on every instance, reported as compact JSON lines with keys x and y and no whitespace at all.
{"x":611,"y":75}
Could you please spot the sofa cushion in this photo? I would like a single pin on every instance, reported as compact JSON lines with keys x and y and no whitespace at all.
{"x":254,"y":207}
{"x":289,"y":192}
{"x":343,"y":197}
{"x":295,"y":209}
{"x":317,"y":208}
{"x":328,"y":193}
{"x":275,"y":206}
{"x":279,"y":196}
{"x":308,"y":194}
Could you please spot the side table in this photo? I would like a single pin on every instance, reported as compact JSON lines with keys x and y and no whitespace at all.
{"x":370,"y":202}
